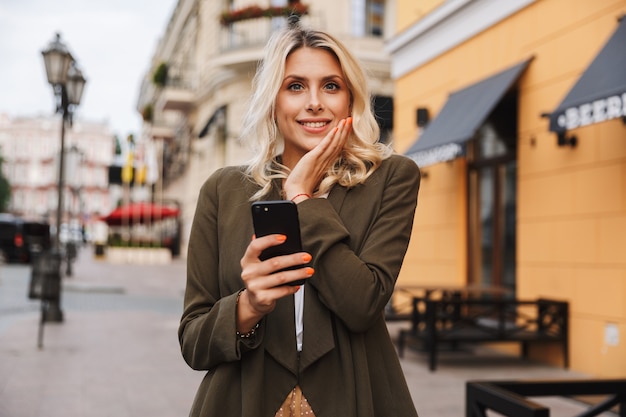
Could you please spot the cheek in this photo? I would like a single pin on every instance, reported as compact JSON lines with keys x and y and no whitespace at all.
{"x":281,"y":114}
{"x":284,"y":125}
{"x":342,"y":107}
{"x":287,"y":105}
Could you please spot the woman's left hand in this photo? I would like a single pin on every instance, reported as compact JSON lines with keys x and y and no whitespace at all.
{"x":307,"y":174}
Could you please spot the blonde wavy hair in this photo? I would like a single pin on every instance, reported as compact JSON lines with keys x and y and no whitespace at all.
{"x":361,"y":155}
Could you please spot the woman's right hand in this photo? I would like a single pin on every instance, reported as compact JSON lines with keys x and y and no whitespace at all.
{"x":264,"y":285}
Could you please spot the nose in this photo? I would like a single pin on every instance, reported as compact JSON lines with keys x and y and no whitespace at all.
{"x":315,"y":104}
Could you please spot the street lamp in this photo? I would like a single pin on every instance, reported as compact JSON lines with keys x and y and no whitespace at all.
{"x":68,"y":83}
{"x":73,"y":172}
{"x":73,"y":165}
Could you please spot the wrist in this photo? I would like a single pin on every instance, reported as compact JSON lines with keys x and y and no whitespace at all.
{"x":247,"y":319}
{"x":299,"y":197}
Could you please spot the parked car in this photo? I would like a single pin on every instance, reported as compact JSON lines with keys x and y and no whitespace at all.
{"x":22,"y":239}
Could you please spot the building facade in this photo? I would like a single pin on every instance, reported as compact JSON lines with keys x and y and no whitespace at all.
{"x":194,"y":114}
{"x":515,"y":111}
{"x":30,"y":149}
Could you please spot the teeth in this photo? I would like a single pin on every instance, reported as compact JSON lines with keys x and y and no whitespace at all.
{"x":315,"y":124}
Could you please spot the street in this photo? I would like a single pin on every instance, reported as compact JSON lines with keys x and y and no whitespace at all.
{"x":117,"y":354}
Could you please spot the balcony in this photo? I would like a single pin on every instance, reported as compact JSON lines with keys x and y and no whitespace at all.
{"x":162,"y":132}
{"x":162,"y":128}
{"x":241,"y":46}
{"x":176,"y":95}
{"x":242,"y":42}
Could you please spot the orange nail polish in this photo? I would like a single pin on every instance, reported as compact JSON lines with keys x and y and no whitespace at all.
{"x":306,"y":257}
{"x":281,"y":238}
{"x":310,"y":271}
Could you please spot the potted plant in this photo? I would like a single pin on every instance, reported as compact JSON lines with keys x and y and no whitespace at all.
{"x":254,"y":12}
{"x":159,"y":76}
{"x":147,"y":113}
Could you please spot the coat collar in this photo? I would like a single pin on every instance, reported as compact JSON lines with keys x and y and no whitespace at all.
{"x":280,"y":332}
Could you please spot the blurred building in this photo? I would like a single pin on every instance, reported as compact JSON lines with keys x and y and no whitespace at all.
{"x":515,"y":111}
{"x":194,"y":95}
{"x":30,"y":149}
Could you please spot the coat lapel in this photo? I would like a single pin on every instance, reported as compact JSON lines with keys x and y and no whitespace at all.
{"x":318,"y":337}
{"x":281,"y":334}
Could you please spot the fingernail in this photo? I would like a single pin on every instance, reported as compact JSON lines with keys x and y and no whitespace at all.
{"x":281,"y":238}
{"x":306,"y":257}
{"x":310,"y":271}
{"x":349,"y":120}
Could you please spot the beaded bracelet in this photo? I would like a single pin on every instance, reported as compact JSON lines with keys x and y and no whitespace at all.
{"x":253,"y":330}
{"x":300,"y":195}
{"x":249,"y":334}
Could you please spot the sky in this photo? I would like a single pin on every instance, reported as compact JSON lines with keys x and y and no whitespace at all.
{"x":113,"y":42}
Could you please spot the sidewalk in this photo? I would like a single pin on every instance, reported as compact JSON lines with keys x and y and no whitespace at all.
{"x":116,"y":353}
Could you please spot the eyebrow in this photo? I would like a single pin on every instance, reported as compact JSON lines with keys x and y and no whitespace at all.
{"x":326,"y":78}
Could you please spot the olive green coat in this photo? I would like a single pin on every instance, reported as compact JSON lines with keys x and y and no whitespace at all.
{"x":348,"y":366}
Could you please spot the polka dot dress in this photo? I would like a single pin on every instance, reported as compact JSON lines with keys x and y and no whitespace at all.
{"x":295,"y":405}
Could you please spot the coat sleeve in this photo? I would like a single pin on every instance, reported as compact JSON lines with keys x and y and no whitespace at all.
{"x":207,"y":331}
{"x":358,"y":252}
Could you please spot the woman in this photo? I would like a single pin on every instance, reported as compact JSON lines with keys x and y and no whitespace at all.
{"x":320,"y":349}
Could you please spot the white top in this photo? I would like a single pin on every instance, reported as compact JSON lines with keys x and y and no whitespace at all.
{"x":298,"y":299}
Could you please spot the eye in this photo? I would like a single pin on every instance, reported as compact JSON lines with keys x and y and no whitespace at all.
{"x":332,"y":86}
{"x":295,"y":87}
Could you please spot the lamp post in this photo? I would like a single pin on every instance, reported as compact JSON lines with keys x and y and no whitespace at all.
{"x":73,"y":166}
{"x":68,"y":83}
{"x":73,"y":170}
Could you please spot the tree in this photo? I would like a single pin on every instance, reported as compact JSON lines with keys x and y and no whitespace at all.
{"x":118,"y":146}
{"x":5,"y":189}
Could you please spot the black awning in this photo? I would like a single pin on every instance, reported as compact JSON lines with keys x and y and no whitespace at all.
{"x":216,"y":114}
{"x":464,"y":112}
{"x":600,"y":93}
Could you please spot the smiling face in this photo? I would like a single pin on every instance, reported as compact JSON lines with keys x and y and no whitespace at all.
{"x":312,"y":99}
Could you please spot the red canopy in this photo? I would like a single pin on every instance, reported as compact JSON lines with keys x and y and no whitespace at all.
{"x":139,"y":213}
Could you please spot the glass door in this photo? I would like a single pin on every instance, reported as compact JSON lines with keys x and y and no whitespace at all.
{"x":492,"y":230}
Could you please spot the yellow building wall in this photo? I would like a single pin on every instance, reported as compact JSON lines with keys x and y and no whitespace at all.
{"x":413,"y":10}
{"x":571,"y":230}
{"x":436,"y":254}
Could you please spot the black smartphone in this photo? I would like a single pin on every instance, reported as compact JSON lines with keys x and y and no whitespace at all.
{"x":281,"y":217}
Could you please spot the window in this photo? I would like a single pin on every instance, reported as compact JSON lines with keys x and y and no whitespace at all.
{"x":278,"y":22}
{"x":375,"y":13}
{"x":368,"y":17}
{"x":383,"y":111}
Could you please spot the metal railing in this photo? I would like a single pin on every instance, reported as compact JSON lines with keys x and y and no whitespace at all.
{"x":508,"y":398}
{"x":255,"y":32}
